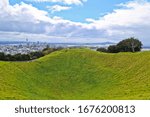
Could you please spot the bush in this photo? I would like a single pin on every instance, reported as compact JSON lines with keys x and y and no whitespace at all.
{"x":101,"y":49}
{"x":113,"y":49}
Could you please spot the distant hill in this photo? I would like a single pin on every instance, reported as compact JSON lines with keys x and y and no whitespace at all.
{"x":78,"y":74}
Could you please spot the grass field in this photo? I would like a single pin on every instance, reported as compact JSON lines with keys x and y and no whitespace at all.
{"x":78,"y":74}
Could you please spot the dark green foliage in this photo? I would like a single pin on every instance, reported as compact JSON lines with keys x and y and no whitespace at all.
{"x":101,"y":49}
{"x":35,"y":55}
{"x":129,"y":45}
{"x":2,"y":56}
{"x":8,"y":57}
{"x":112,"y":49}
{"x":27,"y":57}
{"x":20,"y":57}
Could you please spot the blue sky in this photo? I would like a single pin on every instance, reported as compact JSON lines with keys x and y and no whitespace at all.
{"x":75,"y":20}
{"x":90,"y":9}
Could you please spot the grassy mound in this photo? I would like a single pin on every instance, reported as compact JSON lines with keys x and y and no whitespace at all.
{"x":78,"y":74}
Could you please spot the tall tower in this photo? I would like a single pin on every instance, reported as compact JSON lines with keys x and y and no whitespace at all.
{"x":27,"y":41}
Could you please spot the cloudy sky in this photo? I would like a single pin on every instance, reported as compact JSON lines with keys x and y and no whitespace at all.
{"x":75,"y":20}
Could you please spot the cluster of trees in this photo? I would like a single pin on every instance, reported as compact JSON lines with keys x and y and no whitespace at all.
{"x":27,"y":57}
{"x":128,"y":45}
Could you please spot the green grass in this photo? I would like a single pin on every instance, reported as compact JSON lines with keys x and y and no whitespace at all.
{"x":78,"y":74}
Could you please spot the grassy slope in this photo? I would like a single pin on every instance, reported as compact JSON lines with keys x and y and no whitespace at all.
{"x":78,"y":74}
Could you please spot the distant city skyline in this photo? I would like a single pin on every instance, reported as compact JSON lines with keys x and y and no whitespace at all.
{"x":83,"y":21}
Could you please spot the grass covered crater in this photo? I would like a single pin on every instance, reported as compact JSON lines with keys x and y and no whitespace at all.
{"x":78,"y":74}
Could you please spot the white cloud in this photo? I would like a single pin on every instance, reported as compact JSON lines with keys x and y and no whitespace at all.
{"x":69,"y":2}
{"x":21,"y":20}
{"x":4,"y":4}
{"x":26,"y":19}
{"x":132,"y":13}
{"x":131,"y":19}
{"x":57,"y":8}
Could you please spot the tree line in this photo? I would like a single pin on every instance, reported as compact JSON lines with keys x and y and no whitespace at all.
{"x":29,"y":56}
{"x":127,"y":45}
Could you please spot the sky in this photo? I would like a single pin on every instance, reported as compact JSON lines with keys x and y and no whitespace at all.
{"x":89,"y":21}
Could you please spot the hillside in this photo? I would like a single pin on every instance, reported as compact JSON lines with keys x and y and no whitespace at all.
{"x":78,"y":74}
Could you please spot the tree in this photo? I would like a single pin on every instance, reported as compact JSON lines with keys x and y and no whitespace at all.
{"x":35,"y":55}
{"x":113,"y":49}
{"x":129,"y":45}
{"x":2,"y":56}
